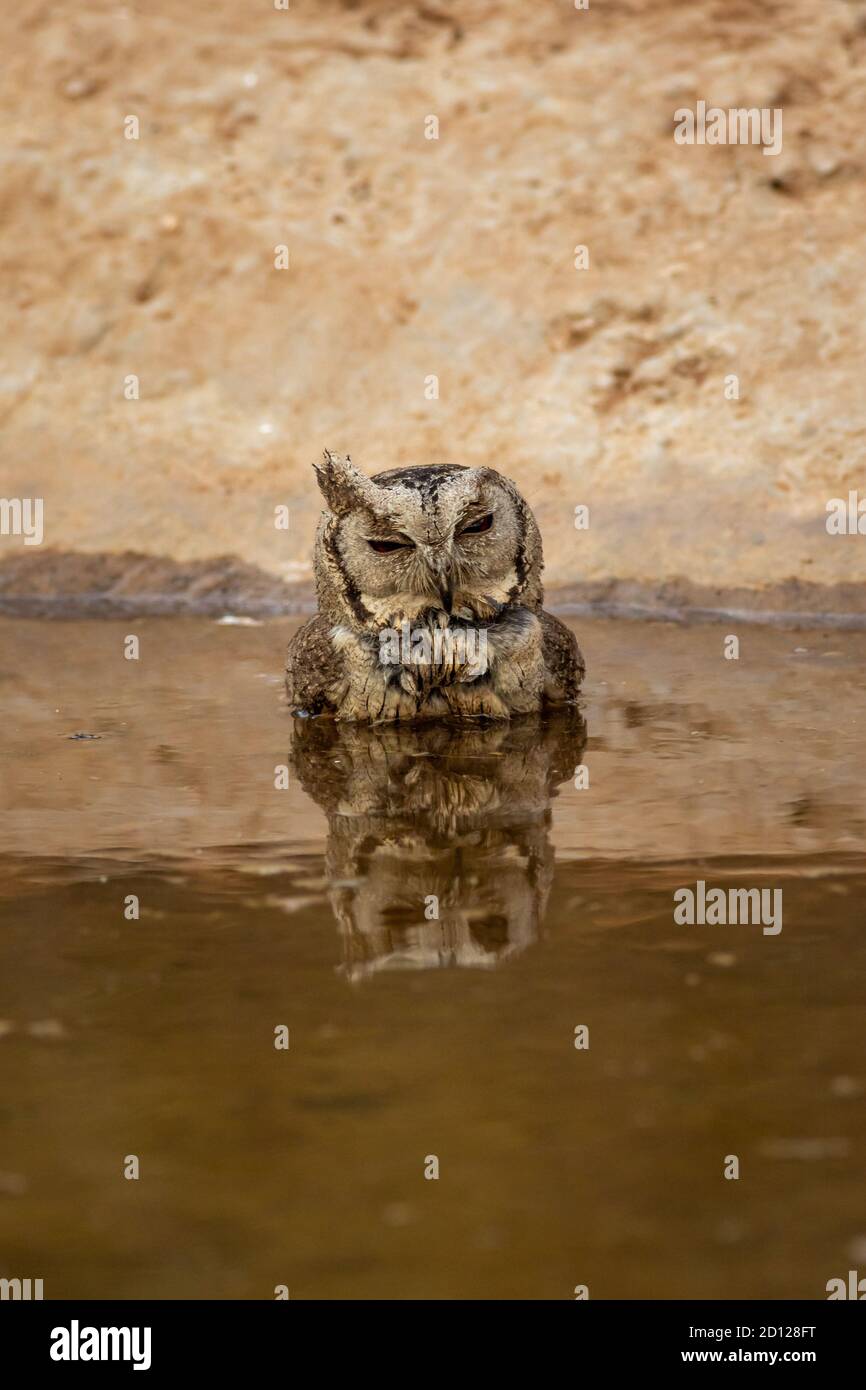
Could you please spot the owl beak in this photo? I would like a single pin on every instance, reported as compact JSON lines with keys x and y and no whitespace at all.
{"x":441,"y":567}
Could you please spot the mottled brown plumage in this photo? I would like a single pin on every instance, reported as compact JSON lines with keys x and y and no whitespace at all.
{"x":430,"y":601}
{"x":564,"y":666}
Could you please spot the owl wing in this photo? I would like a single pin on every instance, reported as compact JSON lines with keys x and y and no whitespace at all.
{"x":564,"y":665}
{"x":313,"y":668}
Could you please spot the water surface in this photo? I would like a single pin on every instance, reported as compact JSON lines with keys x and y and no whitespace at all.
{"x":431,"y":914}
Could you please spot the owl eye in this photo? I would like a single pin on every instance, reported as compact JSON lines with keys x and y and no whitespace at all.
{"x":475,"y":528}
{"x":384,"y":547}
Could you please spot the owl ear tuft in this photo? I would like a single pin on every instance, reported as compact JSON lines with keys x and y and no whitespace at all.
{"x":343,"y":487}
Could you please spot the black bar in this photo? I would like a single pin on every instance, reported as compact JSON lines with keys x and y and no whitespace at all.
{"x":219,"y":1339}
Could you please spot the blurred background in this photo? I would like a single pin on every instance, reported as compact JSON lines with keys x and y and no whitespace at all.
{"x":411,"y":258}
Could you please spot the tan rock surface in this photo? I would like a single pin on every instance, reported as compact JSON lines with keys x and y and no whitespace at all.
{"x":412,"y":257}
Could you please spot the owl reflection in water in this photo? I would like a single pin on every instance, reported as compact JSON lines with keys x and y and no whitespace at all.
{"x":439,"y":851}
{"x":429,"y":602}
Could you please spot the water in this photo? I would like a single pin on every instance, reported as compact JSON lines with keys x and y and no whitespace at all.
{"x":409,"y":1036}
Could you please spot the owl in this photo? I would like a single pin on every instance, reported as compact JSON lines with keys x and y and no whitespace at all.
{"x":429,"y":592}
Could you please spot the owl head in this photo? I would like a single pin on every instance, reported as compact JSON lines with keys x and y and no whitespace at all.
{"x":455,"y":540}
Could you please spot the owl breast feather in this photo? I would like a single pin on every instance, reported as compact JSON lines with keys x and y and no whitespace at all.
{"x":429,"y":656}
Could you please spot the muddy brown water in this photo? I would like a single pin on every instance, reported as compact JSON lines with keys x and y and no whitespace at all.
{"x":310,"y":906}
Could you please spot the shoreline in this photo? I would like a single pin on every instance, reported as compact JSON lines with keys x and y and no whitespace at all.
{"x":70,"y":584}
